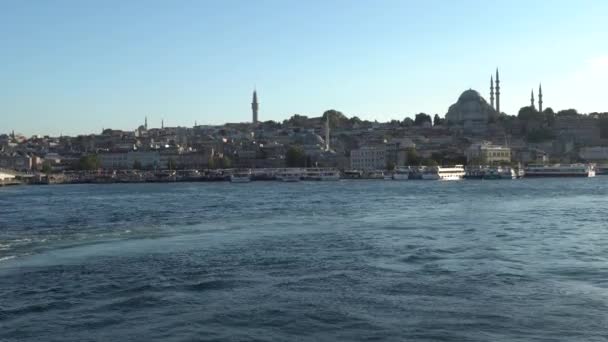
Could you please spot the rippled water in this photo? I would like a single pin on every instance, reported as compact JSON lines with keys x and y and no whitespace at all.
{"x":351,"y":260}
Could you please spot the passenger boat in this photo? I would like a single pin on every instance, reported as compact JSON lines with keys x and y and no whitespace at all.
{"x":352,"y":174}
{"x":443,"y":173}
{"x":401,"y":173}
{"x":558,"y":170}
{"x":241,"y":177}
{"x":290,"y":175}
{"x":318,"y":174}
{"x":376,"y":174}
{"x":474,"y":172}
{"x":601,"y":169}
{"x":499,"y":173}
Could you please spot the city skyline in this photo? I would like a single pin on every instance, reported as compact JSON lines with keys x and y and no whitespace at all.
{"x":73,"y":69}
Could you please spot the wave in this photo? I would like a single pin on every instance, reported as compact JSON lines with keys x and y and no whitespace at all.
{"x":7,"y":258}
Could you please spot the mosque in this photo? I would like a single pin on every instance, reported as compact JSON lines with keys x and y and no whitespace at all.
{"x":472,"y":112}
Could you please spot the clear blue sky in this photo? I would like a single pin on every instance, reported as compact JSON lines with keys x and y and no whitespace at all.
{"x":76,"y":66}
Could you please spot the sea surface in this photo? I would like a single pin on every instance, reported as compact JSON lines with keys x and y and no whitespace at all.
{"x":522,"y":260}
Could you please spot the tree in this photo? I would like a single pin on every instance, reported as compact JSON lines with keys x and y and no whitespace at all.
{"x":549,"y":116}
{"x":295,"y":157}
{"x":412,"y":156}
{"x":407,"y":122}
{"x":336,"y":118}
{"x":421,"y":119}
{"x":90,"y":162}
{"x":226,"y":162}
{"x":437,"y":121}
{"x":211,"y":163}
{"x":567,"y":112}
{"x":354,"y":121}
{"x":46,"y":167}
{"x":297,"y":120}
{"x":137,"y":165}
{"x":171,"y":164}
{"x":529,"y":113}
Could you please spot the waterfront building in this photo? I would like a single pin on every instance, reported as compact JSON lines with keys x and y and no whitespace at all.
{"x":16,"y":161}
{"x":368,"y":158}
{"x":595,"y":153}
{"x":486,"y":153}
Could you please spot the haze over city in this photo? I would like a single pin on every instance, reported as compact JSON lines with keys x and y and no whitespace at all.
{"x":71,"y":67}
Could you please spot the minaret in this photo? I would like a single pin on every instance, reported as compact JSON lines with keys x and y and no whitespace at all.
{"x":492,"y":91}
{"x":254,"y":107}
{"x":540,"y":98}
{"x":327,"y":133}
{"x":532,"y":99}
{"x":162,"y":124}
{"x":146,"y":124}
{"x":497,"y":92}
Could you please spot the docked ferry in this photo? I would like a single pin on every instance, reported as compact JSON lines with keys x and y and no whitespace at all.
{"x":241,"y":177}
{"x":572,"y":170}
{"x":499,"y":173}
{"x":601,"y":169}
{"x":318,"y":174}
{"x":290,"y":175}
{"x":401,"y":174}
{"x":455,"y":172}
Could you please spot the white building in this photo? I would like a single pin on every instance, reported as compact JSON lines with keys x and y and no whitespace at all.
{"x":368,"y":158}
{"x":487,"y":153}
{"x":596,"y":153}
{"x":120,"y":161}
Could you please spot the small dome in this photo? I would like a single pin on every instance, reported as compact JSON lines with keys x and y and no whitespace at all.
{"x":469,"y":95}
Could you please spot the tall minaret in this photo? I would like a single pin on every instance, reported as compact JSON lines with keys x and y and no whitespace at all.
{"x":492,"y":91}
{"x":532,"y":99}
{"x":327,"y":133}
{"x":146,"y":123}
{"x":162,"y":123}
{"x":254,"y":107}
{"x":540,"y":98}
{"x":497,"y":92}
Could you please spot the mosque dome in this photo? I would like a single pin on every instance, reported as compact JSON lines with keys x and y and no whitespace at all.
{"x":469,"y":95}
{"x":471,"y":111}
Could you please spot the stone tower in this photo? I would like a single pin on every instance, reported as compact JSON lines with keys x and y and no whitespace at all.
{"x":497,"y":92}
{"x":492,"y":91}
{"x":532,"y":99}
{"x":254,"y":107}
{"x":327,"y":147}
{"x":540,"y":98}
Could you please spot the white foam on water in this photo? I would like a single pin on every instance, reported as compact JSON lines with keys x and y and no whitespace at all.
{"x":7,"y":258}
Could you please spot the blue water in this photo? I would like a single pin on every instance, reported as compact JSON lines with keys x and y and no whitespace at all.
{"x":523,"y":260}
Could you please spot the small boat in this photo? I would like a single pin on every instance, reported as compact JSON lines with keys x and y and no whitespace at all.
{"x":352,"y":174}
{"x":241,"y":177}
{"x":376,"y":174}
{"x":401,"y":173}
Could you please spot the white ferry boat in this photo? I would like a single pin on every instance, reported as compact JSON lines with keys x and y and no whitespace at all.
{"x":499,"y":173}
{"x":572,"y":170}
{"x":318,"y":174}
{"x":601,"y":169}
{"x":376,"y":174}
{"x":443,"y":173}
{"x":401,"y":173}
{"x":241,"y":177}
{"x":290,"y":175}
